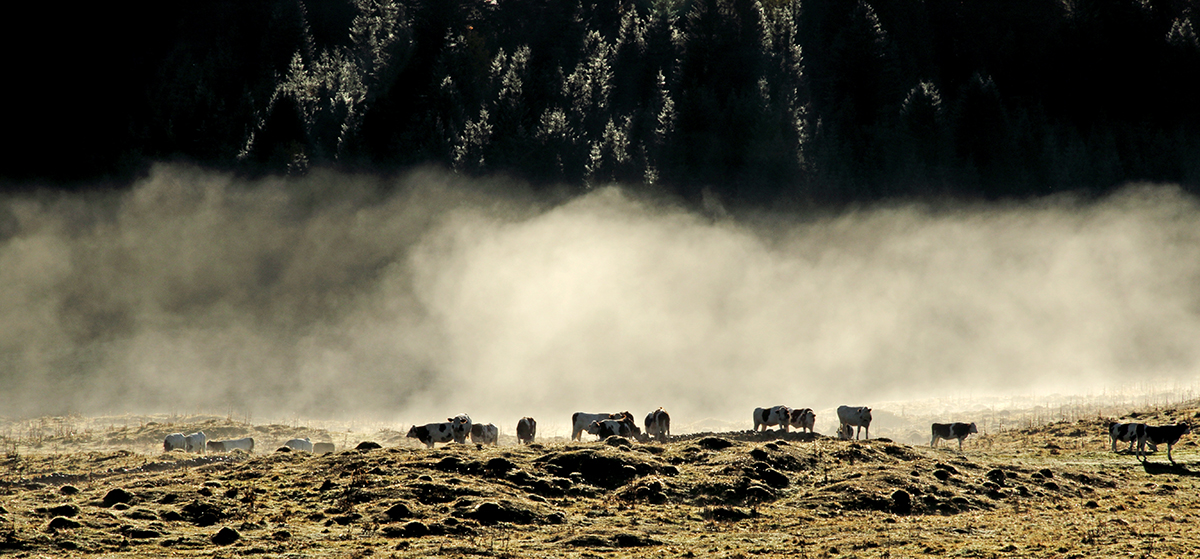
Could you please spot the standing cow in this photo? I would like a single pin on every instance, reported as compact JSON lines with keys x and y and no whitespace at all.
{"x":952,"y":431}
{"x":858,"y":417}
{"x":431,"y":433}
{"x":658,"y":425}
{"x":1161,"y":434}
{"x":803,"y":419}
{"x":768,"y":417}
{"x":580,"y":421}
{"x":174,"y":441}
{"x":1127,"y":432}
{"x":195,"y":442}
{"x":526,"y":430}
{"x":462,"y":427}
{"x":484,"y":434}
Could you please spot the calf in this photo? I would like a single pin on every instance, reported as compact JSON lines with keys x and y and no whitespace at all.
{"x":1160,"y":434}
{"x":303,"y":445}
{"x":484,"y":434}
{"x":195,"y":442}
{"x":246,"y":444}
{"x":803,"y":419}
{"x":462,"y":427}
{"x":952,"y":431}
{"x":526,"y":429}
{"x":1127,"y":432}
{"x":767,"y":417}
{"x":858,"y":417}
{"x":658,"y":425}
{"x":174,"y":441}
{"x":431,"y":433}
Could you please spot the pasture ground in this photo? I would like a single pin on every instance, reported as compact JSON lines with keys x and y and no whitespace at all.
{"x":1052,"y":491}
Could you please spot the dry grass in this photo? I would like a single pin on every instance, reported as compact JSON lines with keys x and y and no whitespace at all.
{"x":1051,"y":491}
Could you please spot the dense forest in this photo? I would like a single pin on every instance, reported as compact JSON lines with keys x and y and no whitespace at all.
{"x":760,"y":101}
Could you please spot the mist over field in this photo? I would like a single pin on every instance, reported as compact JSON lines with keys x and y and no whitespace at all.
{"x":408,"y":299}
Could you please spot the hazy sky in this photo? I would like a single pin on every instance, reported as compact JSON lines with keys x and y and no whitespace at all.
{"x":414,"y":298}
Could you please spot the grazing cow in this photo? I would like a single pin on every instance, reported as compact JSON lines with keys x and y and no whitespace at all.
{"x":174,"y":441}
{"x":658,"y":425}
{"x":767,"y":417}
{"x":1161,"y":434}
{"x":431,"y":433}
{"x":1127,"y":432}
{"x":246,"y":444}
{"x":802,"y":419}
{"x":462,"y":427}
{"x":952,"y":431}
{"x":195,"y":442}
{"x":322,"y":448}
{"x":859,"y":417}
{"x":580,"y":421}
{"x":484,"y":434}
{"x":526,"y":429}
{"x":303,"y":445}
{"x":606,"y":428}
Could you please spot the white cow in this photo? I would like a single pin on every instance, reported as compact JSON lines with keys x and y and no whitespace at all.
{"x":859,"y":417}
{"x":245,"y":443}
{"x":174,"y":441}
{"x":580,"y":422}
{"x":462,"y":427}
{"x":195,"y":442}
{"x":767,"y":417}
{"x":431,"y":433}
{"x":484,"y":434}
{"x":303,"y":445}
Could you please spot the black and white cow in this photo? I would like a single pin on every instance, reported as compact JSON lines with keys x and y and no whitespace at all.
{"x":1161,"y":434}
{"x":431,"y":433}
{"x":462,"y":427}
{"x":1127,"y":432}
{"x":484,"y":434}
{"x":858,"y":417}
{"x":802,"y":419}
{"x":526,"y":430}
{"x":769,"y":417}
{"x":658,"y":425}
{"x":606,"y":428}
{"x":952,"y":431}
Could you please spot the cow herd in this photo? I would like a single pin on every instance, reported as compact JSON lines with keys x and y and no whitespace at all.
{"x":853,"y":422}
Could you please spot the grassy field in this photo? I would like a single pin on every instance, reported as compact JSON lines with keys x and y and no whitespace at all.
{"x":79,"y":487}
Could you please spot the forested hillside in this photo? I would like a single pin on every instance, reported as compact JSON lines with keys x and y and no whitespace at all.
{"x":759,"y":101}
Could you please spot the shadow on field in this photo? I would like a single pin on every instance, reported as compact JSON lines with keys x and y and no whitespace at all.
{"x":1156,"y":468}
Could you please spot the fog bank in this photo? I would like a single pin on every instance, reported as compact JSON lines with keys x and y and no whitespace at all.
{"x":412,"y":298}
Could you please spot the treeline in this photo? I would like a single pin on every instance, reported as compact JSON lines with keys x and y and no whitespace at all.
{"x":758,"y":101}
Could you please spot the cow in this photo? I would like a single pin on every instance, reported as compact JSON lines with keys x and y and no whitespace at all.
{"x":606,"y":428}
{"x":195,"y":442}
{"x":776,"y":415}
{"x":462,"y":427}
{"x":526,"y":429}
{"x":658,"y":425}
{"x":322,"y":448}
{"x":858,"y":417}
{"x":174,"y":441}
{"x":484,"y":434}
{"x":580,"y":421}
{"x":802,"y":419}
{"x":246,"y":444}
{"x":431,"y":433}
{"x":952,"y":431}
{"x":845,"y":432}
{"x":1127,"y":432}
{"x":303,"y":445}
{"x":1161,"y":434}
